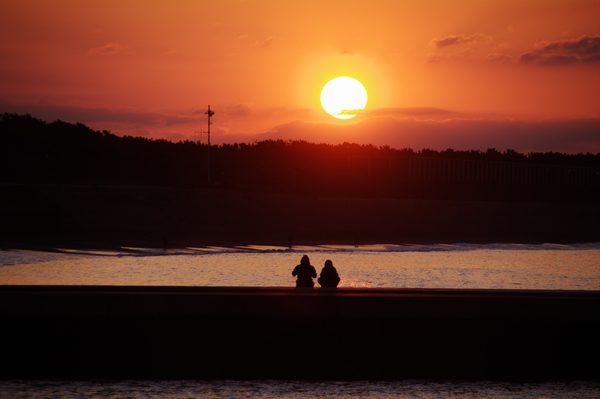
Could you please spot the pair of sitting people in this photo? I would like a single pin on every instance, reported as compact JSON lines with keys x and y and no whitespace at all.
{"x":305,"y":273}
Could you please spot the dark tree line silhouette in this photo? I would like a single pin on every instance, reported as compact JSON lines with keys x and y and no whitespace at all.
{"x":34,"y":151}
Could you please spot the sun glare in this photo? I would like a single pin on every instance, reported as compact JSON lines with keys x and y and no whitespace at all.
{"x":343,"y":97}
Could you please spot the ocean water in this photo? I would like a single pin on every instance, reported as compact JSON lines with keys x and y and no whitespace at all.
{"x":296,"y":389}
{"x":515,"y":266}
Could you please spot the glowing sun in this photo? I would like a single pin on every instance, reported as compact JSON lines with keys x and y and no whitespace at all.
{"x":343,"y":97}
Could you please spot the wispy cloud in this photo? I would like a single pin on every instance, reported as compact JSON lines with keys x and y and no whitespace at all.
{"x":499,"y":58}
{"x":416,"y":127}
{"x":585,"y":50}
{"x":569,"y":135}
{"x":481,"y":48}
{"x":111,"y":48}
{"x":92,"y":115}
{"x":460,"y":47}
{"x":237,"y":118}
{"x":455,"y":40}
{"x":415,"y":112}
{"x":266,"y":42}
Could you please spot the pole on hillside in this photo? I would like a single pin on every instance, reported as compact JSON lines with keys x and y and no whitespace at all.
{"x":210,"y":113}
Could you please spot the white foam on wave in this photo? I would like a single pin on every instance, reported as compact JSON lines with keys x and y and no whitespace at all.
{"x":15,"y":256}
{"x":263,"y":248}
{"x":21,"y":257}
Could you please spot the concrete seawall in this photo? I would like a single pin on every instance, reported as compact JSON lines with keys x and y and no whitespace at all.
{"x":234,"y":332}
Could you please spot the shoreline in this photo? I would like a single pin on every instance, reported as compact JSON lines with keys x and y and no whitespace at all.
{"x":281,"y":245}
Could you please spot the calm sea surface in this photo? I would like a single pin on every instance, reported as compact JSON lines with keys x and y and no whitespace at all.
{"x":544,"y":266}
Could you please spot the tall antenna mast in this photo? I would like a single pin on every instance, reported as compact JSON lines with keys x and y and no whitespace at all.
{"x":210,"y":113}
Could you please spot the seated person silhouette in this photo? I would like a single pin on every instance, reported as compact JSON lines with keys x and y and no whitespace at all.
{"x":305,"y":272}
{"x":329,"y":277}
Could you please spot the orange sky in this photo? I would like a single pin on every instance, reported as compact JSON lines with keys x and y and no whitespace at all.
{"x":149,"y":67}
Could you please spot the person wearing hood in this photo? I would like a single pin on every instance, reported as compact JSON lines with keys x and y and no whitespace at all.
{"x":305,"y":273}
{"x":329,"y":277}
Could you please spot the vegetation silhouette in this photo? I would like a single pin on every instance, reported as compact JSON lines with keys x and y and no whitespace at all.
{"x":66,"y":184}
{"x":60,"y":152}
{"x":305,"y":273}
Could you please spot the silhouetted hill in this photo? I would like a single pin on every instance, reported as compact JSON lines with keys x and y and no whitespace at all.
{"x":60,"y":152}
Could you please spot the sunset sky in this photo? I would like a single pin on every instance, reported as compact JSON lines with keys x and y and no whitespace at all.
{"x":463,"y":74}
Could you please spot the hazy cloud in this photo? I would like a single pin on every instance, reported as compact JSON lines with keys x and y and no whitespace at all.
{"x":415,"y":127}
{"x":461,"y":47}
{"x":454,"y":40}
{"x":416,"y":112}
{"x":93,"y":115}
{"x":499,"y":58}
{"x":583,"y":50}
{"x":107,"y":49}
{"x":266,"y":42}
{"x":239,"y":119}
{"x":244,"y":111}
{"x":237,"y":110}
{"x":572,"y":136}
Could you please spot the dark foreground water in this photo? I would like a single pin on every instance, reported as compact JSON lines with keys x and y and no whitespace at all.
{"x":296,"y":389}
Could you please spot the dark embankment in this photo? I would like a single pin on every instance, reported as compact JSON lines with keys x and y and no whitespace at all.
{"x":100,"y":216}
{"x":184,"y":332}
